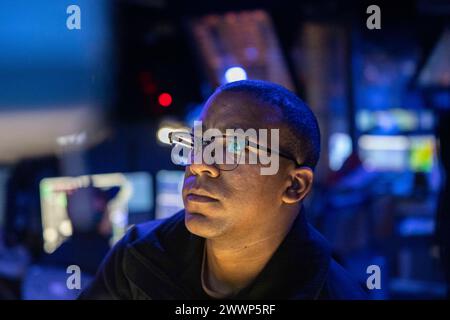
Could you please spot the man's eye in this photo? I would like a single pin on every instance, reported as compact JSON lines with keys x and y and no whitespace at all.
{"x":234,"y":147}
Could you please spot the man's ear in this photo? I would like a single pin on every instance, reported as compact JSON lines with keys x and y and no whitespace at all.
{"x":298,"y":186}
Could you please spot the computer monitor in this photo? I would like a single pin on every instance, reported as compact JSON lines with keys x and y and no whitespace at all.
{"x":415,"y":153}
{"x":169,"y":184}
{"x":134,"y":195}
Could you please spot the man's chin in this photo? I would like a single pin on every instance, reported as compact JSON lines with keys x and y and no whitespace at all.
{"x":202,"y":225}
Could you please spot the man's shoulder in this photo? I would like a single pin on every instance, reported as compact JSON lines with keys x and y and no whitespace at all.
{"x":142,"y":263}
{"x":340,"y":285}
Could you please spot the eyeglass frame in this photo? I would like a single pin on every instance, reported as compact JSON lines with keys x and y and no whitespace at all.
{"x":247,"y":144}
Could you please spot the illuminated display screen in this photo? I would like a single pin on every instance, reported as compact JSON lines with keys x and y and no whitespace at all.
{"x":135,"y":194}
{"x":397,"y":153}
{"x":169,"y":184}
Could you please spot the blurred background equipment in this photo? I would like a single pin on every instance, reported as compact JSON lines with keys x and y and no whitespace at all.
{"x":92,"y":108}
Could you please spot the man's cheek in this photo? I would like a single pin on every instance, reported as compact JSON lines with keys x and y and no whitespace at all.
{"x":249,"y":172}
{"x":246,"y":183}
{"x":253,"y":194}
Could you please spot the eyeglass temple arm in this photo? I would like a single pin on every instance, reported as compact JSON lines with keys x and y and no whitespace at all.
{"x":284,"y":155}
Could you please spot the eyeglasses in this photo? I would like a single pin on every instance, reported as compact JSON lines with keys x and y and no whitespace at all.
{"x":232,"y":148}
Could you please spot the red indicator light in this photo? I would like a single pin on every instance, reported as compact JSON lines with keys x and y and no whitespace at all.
{"x":165,"y":99}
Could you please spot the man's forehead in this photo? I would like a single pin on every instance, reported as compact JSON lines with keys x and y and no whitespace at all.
{"x":236,"y":110}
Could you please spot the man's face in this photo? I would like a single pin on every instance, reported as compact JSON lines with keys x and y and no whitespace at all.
{"x":238,"y":202}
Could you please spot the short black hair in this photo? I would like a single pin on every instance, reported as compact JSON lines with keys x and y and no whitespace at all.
{"x":300,"y":120}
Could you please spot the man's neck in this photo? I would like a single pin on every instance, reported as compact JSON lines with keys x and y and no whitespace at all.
{"x":231,"y":265}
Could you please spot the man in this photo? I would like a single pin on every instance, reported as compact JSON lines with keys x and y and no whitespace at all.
{"x":242,"y":235}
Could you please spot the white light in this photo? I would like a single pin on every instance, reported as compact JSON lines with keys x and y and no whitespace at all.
{"x":369,"y":142}
{"x":65,"y":228}
{"x":119,"y":217}
{"x":50,"y":235}
{"x":49,"y":247}
{"x":163,"y":134}
{"x":340,"y":149}
{"x":72,"y":139}
{"x":235,"y":74}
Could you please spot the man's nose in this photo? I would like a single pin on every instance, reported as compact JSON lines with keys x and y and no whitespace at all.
{"x":204,"y":168}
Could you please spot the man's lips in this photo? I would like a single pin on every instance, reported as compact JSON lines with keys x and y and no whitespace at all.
{"x":195,"y":197}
